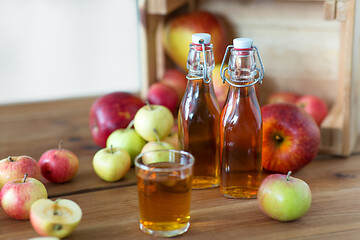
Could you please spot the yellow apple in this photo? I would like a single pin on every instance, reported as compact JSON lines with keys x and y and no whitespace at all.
{"x":178,"y":31}
{"x":111,"y":164}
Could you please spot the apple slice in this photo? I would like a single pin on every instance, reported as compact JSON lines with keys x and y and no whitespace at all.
{"x":55,"y":218}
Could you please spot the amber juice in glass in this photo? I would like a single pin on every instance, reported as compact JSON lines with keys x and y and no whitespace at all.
{"x":199,"y":119}
{"x":241,"y":131}
{"x":164,"y":192}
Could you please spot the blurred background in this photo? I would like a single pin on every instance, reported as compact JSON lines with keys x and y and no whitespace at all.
{"x":53,"y":49}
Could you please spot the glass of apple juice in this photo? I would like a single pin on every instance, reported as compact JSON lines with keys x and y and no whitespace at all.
{"x":164,"y":179}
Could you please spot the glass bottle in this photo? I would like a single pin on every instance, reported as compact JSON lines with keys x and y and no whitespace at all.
{"x":241,"y":123}
{"x":199,"y":114}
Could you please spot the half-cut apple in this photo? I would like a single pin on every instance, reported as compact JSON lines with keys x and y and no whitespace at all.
{"x":55,"y":218}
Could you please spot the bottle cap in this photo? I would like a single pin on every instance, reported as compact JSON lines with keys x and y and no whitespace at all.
{"x":242,"y":43}
{"x":201,"y":36}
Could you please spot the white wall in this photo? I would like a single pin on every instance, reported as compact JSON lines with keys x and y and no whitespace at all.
{"x":53,"y":49}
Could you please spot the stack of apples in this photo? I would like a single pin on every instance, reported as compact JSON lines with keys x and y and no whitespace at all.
{"x":149,"y":128}
{"x":23,"y":195}
{"x":291,"y":134}
{"x":291,"y":139}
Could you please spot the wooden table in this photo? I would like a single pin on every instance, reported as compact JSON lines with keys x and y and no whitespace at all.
{"x":110,"y":210}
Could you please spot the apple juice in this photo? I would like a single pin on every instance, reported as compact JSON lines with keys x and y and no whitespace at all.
{"x":199,"y":115}
{"x":241,"y":125}
{"x":164,"y":198}
{"x":241,"y":144}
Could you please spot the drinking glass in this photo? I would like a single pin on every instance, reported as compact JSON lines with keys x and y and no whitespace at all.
{"x":164,"y":179}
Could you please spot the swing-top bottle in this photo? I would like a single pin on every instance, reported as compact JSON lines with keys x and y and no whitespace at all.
{"x":241,"y":123}
{"x":199,"y":114}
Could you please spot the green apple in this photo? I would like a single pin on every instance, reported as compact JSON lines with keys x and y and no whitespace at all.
{"x":128,"y":140}
{"x":155,"y":156}
{"x":284,"y":198}
{"x":111,"y":164}
{"x":153,"y":117}
{"x":55,"y":218}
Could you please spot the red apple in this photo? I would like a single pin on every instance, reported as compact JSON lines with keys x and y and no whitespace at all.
{"x":313,"y":105}
{"x":110,"y":112}
{"x":59,"y":165}
{"x":178,"y":32}
{"x":283,"y":97}
{"x":162,"y":94}
{"x":17,"y":196}
{"x":291,"y":138}
{"x":284,"y":198}
{"x":12,"y":168}
{"x":177,"y":80}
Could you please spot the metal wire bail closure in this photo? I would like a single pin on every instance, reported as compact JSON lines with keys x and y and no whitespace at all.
{"x":260,"y":71}
{"x":205,"y":76}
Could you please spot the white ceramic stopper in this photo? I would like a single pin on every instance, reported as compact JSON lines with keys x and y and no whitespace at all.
{"x":201,"y":36}
{"x":242,"y":43}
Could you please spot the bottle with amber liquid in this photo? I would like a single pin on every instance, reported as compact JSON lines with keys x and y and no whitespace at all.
{"x":199,"y":114}
{"x":241,"y":123}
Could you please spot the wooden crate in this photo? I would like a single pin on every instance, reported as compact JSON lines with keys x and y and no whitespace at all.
{"x":307,"y":46}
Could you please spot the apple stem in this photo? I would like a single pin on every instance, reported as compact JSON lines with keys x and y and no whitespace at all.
{"x":25,"y":177}
{"x":10,"y":159}
{"x":156,"y":135}
{"x":149,"y":105}
{"x":288,"y":176}
{"x":111,"y":149}
{"x":130,"y":125}
{"x":60,"y":144}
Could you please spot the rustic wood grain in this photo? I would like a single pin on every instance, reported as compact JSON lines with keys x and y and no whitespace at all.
{"x":334,"y":213}
{"x":110,"y":210}
{"x":32,"y":129}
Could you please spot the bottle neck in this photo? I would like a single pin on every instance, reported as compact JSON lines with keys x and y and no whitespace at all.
{"x":242,"y":66}
{"x":197,"y":62}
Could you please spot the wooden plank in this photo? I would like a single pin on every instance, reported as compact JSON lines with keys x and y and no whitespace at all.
{"x":147,"y":45}
{"x":144,"y":63}
{"x":331,"y":130}
{"x":329,"y":10}
{"x":342,"y":10}
{"x":160,"y":50}
{"x":32,"y":129}
{"x":348,"y":90}
{"x":164,"y":7}
{"x":356,"y":64}
{"x":334,"y":213}
{"x":299,"y":49}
